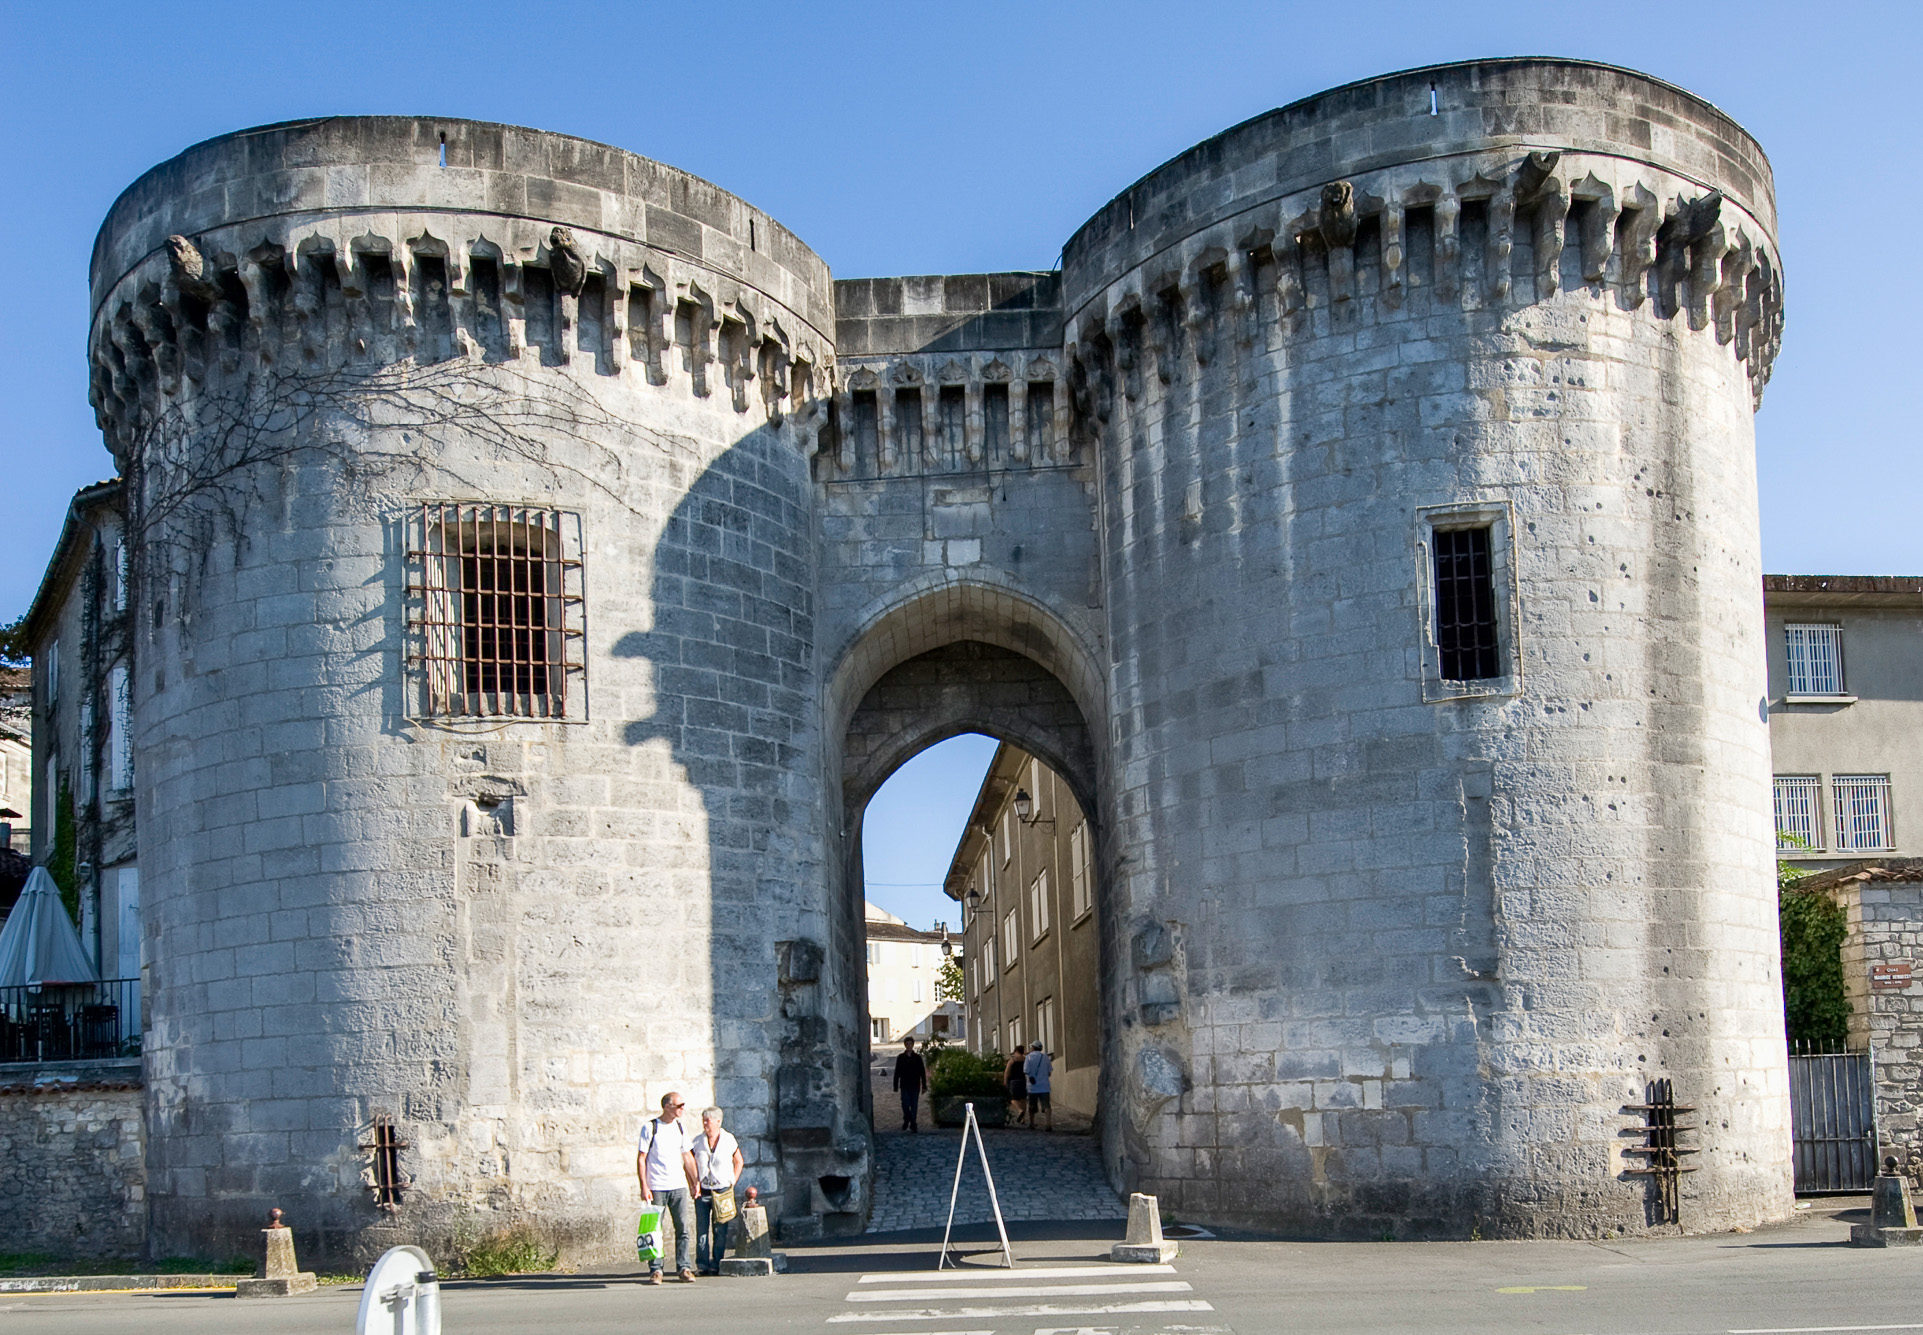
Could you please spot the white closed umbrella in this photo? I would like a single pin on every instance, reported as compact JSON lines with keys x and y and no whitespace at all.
{"x":39,"y":943}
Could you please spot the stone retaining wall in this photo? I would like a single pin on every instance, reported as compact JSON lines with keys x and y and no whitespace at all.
{"x":72,"y":1181}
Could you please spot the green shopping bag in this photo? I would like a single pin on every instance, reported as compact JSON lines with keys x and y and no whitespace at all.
{"x":647,"y":1234}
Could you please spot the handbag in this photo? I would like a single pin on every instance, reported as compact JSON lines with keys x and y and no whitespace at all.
{"x":647,"y":1234}
{"x":724,"y":1206}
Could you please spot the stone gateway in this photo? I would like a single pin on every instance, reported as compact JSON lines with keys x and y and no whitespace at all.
{"x":527,"y":537}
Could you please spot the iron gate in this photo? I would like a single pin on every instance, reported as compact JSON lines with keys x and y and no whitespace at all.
{"x":1833,"y":1121}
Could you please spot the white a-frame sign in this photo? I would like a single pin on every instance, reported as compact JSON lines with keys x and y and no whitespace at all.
{"x":970,"y":1127}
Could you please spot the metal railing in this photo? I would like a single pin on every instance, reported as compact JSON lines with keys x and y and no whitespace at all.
{"x":51,"y":1022}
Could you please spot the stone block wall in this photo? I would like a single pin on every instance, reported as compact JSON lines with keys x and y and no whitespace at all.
{"x":72,"y":1166}
{"x":1883,"y":976}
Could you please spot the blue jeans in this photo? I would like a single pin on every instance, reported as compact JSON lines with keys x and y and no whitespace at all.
{"x":704,"y":1221}
{"x":675,"y":1204}
{"x":910,"y":1107}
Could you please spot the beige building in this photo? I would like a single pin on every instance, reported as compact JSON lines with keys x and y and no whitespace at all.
{"x":1024,"y":878}
{"x":1846,"y":715}
{"x":903,"y":964}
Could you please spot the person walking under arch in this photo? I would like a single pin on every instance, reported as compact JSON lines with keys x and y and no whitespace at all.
{"x":1016,"y":1081}
{"x":1039,"y":1067}
{"x":911,"y":1081}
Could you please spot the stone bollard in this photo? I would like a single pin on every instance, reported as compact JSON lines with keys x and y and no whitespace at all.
{"x":754,"y":1252}
{"x":1145,"y":1242}
{"x":1892,"y":1216}
{"x":280,"y":1275}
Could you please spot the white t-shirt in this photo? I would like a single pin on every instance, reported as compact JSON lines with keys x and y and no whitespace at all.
{"x":1039,"y":1066}
{"x":715,"y":1167}
{"x":664,"y":1147}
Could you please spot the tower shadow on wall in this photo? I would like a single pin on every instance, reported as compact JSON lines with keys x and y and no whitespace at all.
{"x":735,"y":697}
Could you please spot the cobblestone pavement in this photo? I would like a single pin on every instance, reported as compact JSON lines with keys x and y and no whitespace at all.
{"x":1038,"y":1176}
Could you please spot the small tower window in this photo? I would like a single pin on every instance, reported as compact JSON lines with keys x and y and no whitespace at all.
{"x":1466,"y":605}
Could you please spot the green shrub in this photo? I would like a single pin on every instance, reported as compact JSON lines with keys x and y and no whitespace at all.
{"x":514,"y":1251}
{"x":959,"y":1071}
{"x":1816,"y":1010}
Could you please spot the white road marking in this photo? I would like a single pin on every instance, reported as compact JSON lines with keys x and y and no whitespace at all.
{"x":1819,"y":1330}
{"x":1032,"y":1272}
{"x":1037,"y":1309}
{"x":1015,"y":1291}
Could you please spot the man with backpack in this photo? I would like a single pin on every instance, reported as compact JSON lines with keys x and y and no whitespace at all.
{"x":1040,"y":1070}
{"x":664,"y":1161}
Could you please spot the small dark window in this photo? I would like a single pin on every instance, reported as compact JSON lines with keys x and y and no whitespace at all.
{"x":1465,"y":605}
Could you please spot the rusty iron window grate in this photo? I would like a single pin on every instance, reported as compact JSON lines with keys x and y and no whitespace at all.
{"x":1662,"y":1147}
{"x":1466,"y":605}
{"x":498,"y":613}
{"x":388,"y":1180}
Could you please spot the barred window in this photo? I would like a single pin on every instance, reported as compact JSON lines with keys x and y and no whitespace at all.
{"x":1861,"y":811}
{"x":499,"y":609}
{"x":1798,"y":804}
{"x":1815,"y":656}
{"x":1465,"y":605}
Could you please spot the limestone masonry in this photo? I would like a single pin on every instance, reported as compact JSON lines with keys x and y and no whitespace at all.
{"x":1362,"y":521}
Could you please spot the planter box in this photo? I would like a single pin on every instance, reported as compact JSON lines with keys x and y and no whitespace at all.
{"x":990,"y":1109}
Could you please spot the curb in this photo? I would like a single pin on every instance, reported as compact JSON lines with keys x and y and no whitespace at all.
{"x":115,"y":1283}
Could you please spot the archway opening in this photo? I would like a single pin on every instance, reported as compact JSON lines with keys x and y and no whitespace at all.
{"x":968,"y":781}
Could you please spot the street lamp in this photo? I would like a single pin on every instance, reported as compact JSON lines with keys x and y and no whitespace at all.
{"x":1025,"y":809}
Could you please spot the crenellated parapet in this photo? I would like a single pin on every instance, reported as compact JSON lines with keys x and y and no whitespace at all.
{"x":947,"y":374}
{"x":412,"y":268}
{"x":1489,"y":235}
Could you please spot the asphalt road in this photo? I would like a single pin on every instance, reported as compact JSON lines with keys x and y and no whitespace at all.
{"x":1800,"y":1277}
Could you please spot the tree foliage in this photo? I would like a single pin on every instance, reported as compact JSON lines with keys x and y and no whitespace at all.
{"x":1816,"y":1009}
{"x":948,"y":980}
{"x":14,"y":649}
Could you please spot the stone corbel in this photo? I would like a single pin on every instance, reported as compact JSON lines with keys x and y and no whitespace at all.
{"x":1018,"y":419}
{"x":845,"y":430}
{"x":1162,"y":330}
{"x":1540,"y":191}
{"x":1738,"y":260}
{"x":1240,"y":271}
{"x":886,"y":437}
{"x":1706,"y":254}
{"x":1599,"y":228}
{"x":934,"y":444}
{"x":157,"y":329}
{"x":1639,"y":243}
{"x":1127,"y":312}
{"x":1290,"y":298}
{"x":974,"y":421}
{"x":1448,"y":260}
{"x":1501,"y":245}
{"x":1198,"y":303}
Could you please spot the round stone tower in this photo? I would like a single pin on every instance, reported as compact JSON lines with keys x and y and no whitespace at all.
{"x":1431,"y":555}
{"x":468,"y":475}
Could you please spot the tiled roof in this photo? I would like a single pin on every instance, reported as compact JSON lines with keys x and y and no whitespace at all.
{"x":1882,"y":869}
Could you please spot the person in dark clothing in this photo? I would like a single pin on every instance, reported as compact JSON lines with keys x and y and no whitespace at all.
{"x":911,"y":1078}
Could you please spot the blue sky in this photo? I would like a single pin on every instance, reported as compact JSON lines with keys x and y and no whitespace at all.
{"x":955,"y":138}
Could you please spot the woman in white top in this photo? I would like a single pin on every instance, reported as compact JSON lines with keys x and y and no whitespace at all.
{"x":717,"y":1164}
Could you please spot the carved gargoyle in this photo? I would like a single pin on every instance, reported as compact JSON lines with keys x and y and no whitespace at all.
{"x":190,"y":270}
{"x":565,"y":262}
{"x":1534,"y":173}
{"x":1692,"y":221}
{"x":1335,"y":220}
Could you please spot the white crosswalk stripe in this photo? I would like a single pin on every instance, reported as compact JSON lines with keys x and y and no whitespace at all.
{"x":1015,"y":1301}
{"x":977,"y":1274}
